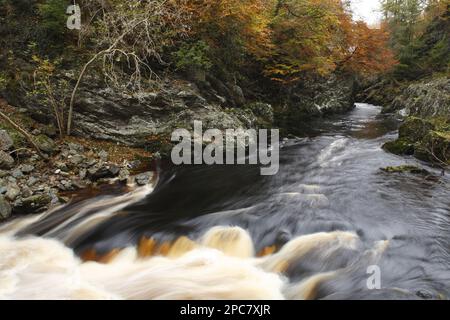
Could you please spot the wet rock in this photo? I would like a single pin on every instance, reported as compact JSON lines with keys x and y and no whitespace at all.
{"x":124,"y":174}
{"x":399,"y":147}
{"x":103,"y":172}
{"x":5,"y":208}
{"x":6,"y":161}
{"x":46,"y":144}
{"x":6,"y":142}
{"x":33,"y":204}
{"x":143,"y":178}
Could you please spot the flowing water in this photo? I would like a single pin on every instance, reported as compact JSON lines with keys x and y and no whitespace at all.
{"x":225,"y":232}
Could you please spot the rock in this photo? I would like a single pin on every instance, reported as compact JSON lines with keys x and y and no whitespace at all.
{"x":3,"y":173}
{"x":61,"y":166}
{"x":26,"y":192}
{"x":434,"y":147}
{"x":103,"y":155}
{"x":114,"y":170}
{"x":124,"y":174}
{"x":26,"y":168}
{"x":143,"y":178}
{"x":46,"y":144}
{"x":427,"y":98}
{"x":12,"y":192}
{"x":103,"y":172}
{"x":33,"y":204}
{"x":6,"y":142}
{"x":76,"y":159}
{"x":17,"y":173}
{"x":82,"y":174}
{"x":415,"y":129}
{"x":5,"y":208}
{"x":406,"y":169}
{"x":399,"y":147}
{"x":75,"y":147}
{"x":32,"y":181}
{"x":6,"y":161}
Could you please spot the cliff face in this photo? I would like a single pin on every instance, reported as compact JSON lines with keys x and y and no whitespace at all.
{"x":135,"y":120}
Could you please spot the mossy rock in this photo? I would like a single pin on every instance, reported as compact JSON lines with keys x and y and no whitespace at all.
{"x":400,"y":147}
{"x":434,"y":147}
{"x":33,"y":204}
{"x":415,"y":129}
{"x":46,"y":144}
{"x":406,"y":169}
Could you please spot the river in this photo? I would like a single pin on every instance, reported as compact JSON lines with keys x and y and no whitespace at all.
{"x":313,"y":231}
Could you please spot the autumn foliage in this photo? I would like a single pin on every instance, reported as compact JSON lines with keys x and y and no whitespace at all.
{"x":290,"y":39}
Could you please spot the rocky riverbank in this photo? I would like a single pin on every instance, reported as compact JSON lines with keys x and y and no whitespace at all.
{"x":426,"y":130}
{"x":136,"y":127}
{"x":31,"y":184}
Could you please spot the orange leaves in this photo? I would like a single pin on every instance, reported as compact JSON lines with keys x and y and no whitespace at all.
{"x":371,"y":53}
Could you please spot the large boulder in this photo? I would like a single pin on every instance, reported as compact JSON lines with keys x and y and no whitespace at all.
{"x":321,"y":97}
{"x":415,"y":129}
{"x":428,"y":98}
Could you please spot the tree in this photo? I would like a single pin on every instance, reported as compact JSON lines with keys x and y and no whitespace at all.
{"x":129,"y":36}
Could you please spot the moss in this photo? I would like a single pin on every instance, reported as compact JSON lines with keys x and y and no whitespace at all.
{"x":399,"y":147}
{"x":406,"y":169}
{"x":415,"y":129}
{"x":434,"y":147}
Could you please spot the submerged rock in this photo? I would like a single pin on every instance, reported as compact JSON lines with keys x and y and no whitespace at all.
{"x":406,"y":169}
